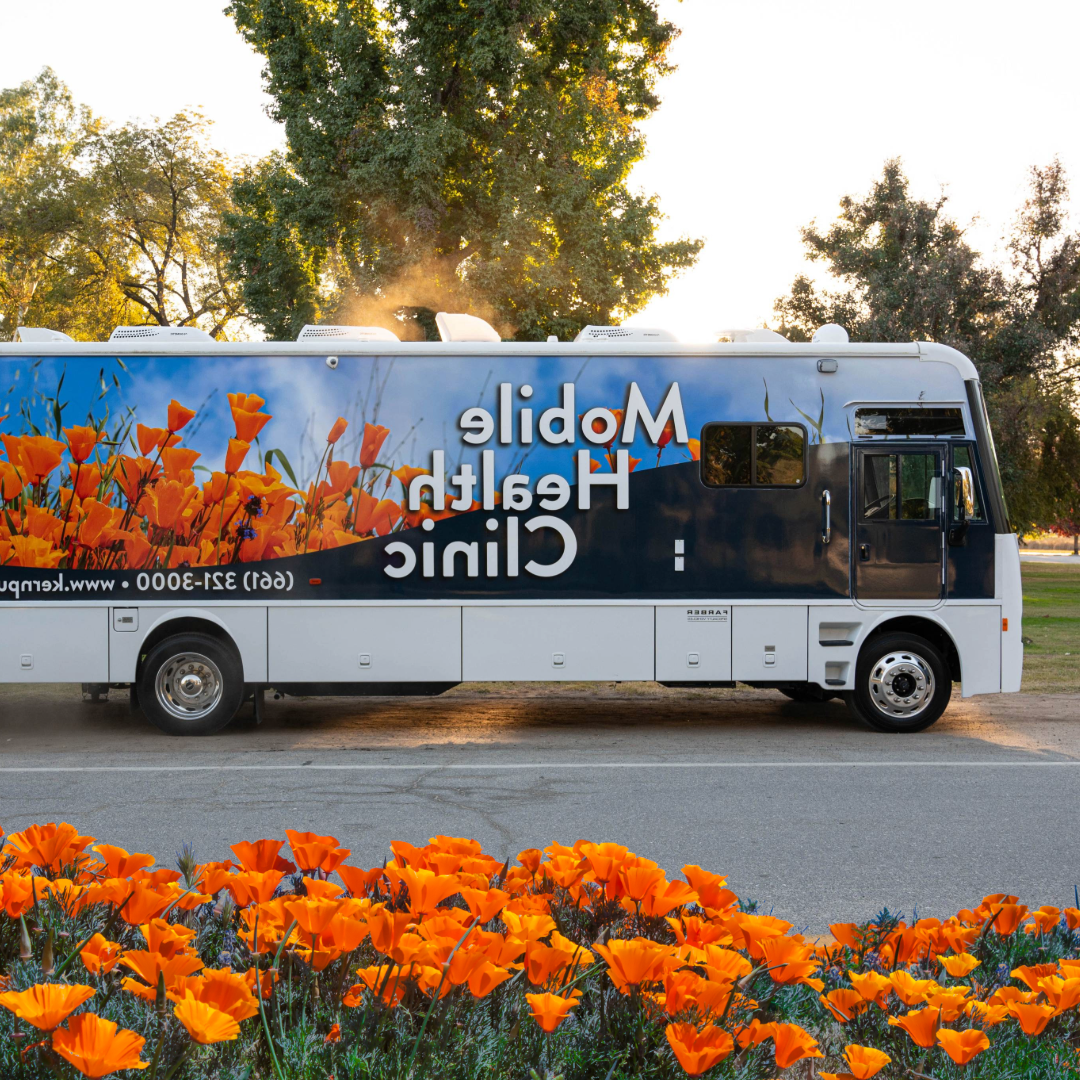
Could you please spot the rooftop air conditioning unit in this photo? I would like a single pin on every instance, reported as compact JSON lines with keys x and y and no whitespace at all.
{"x":39,"y":334}
{"x":742,"y":337}
{"x":159,"y":333}
{"x":624,"y":333}
{"x":464,"y":328}
{"x":346,"y":333}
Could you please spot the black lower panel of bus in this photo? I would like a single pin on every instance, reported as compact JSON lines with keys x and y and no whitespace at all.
{"x":371,"y":689}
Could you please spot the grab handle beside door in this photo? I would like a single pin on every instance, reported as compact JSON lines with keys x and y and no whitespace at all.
{"x":826,"y":516}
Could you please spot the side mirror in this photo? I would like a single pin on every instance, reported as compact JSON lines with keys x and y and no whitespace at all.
{"x":964,"y":502}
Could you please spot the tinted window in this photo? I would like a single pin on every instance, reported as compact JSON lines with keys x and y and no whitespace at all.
{"x":766,"y":455}
{"x":778,"y":454}
{"x":899,"y":487}
{"x":909,"y":422}
{"x":725,"y":454}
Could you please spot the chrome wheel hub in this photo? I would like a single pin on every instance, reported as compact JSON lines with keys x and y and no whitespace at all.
{"x":901,"y":684}
{"x":189,"y":686}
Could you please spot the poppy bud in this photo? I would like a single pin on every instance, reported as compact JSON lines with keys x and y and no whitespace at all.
{"x":340,"y":424}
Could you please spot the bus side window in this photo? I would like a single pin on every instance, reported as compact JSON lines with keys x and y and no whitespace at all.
{"x":962,"y":456}
{"x":758,"y":455}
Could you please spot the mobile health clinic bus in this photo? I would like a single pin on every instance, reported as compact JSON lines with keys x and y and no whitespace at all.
{"x":353,"y":514}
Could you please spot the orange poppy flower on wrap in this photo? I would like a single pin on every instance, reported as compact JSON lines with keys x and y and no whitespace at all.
{"x":694,"y":446}
{"x":550,"y":1010}
{"x":793,"y":1044}
{"x":698,"y":1051}
{"x":97,"y":1047}
{"x":179,"y":415}
{"x":35,"y":456}
{"x":11,"y":481}
{"x":921,"y":1025}
{"x":249,"y":424}
{"x":235,"y":457}
{"x":204,"y":1023}
{"x":340,"y":476}
{"x":340,"y":424}
{"x":85,"y":478}
{"x":178,"y":460}
{"x":374,"y":437}
{"x":151,"y":440}
{"x":247,"y":402}
{"x":962,"y":1046}
{"x":81,"y":442}
{"x":613,"y":461}
{"x":46,"y":1005}
{"x":99,"y":955}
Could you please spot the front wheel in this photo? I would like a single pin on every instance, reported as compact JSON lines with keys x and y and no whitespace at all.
{"x":902,"y":684}
{"x":191,"y":684}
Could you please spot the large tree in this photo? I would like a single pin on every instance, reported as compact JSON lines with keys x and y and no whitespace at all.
{"x":453,"y":153}
{"x":103,"y":225}
{"x":901,"y":269}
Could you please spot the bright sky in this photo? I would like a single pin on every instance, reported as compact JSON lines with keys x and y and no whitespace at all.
{"x":778,"y":108}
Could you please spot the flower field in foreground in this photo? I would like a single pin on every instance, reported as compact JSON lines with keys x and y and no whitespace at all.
{"x":572,"y":961}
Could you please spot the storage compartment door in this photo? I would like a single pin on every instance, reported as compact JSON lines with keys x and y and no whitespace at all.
{"x":693,"y":643}
{"x":364,"y":644}
{"x":558,"y":643}
{"x":54,"y":644}
{"x":768,"y":643}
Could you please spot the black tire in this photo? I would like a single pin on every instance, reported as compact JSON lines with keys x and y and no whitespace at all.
{"x":807,"y":695}
{"x":214,"y":692}
{"x":902,"y":684}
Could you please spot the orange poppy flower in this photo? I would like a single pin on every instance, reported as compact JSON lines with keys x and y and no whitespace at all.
{"x":46,"y":1005}
{"x":612,"y":460}
{"x":11,"y":481}
{"x":909,"y":990}
{"x":959,"y":966}
{"x":407,"y":473}
{"x":375,"y":515}
{"x":1063,"y":994}
{"x":247,"y":402}
{"x":166,"y":939}
{"x":864,"y":1061}
{"x":250,"y":887}
{"x":85,"y":478}
{"x":35,"y":456}
{"x":1009,"y":918}
{"x":1072,"y":915}
{"x":359,"y":882}
{"x":81,"y":442}
{"x":145,"y":903}
{"x":249,"y":423}
{"x":314,"y":852}
{"x":962,"y":1046}
{"x":50,"y":847}
{"x":921,"y":1025}
{"x":312,"y":916}
{"x":340,"y":424}
{"x":694,"y":446}
{"x":235,"y":457}
{"x":1031,"y":1017}
{"x":16,"y":893}
{"x":386,"y":928}
{"x":262,"y":855}
{"x":952,"y":1001}
{"x":426,"y":888}
{"x":333,"y":1035}
{"x":1043,"y":920}
{"x":151,"y":440}
{"x":118,"y":863}
{"x":178,"y":460}
{"x":97,"y":1047}
{"x":698,"y":1051}
{"x":793,"y":1044}
{"x":630,"y":963}
{"x":485,"y":978}
{"x":791,"y":961}
{"x":485,"y":904}
{"x":33,"y":551}
{"x":204,"y":1023}
{"x":550,"y":1010}
{"x":374,"y":437}
{"x":872,"y":985}
{"x":844,"y":1003}
{"x":99,"y":955}
{"x":340,"y":477}
{"x":221,"y":989}
{"x":1032,"y":973}
{"x":178,"y":415}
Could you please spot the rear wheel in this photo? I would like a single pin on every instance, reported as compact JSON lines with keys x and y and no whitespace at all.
{"x":191,"y":684}
{"x":902,"y":684}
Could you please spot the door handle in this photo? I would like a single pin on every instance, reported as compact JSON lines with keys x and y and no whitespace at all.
{"x":826,"y":516}
{"x":864,"y":552}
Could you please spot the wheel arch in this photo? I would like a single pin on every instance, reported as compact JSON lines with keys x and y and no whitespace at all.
{"x":930,"y":629}
{"x":184,"y":622}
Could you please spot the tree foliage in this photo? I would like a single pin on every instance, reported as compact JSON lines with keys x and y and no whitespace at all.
{"x":902,"y":270}
{"x":453,"y":153}
{"x":103,"y":225}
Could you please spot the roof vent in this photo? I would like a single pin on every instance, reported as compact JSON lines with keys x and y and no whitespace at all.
{"x":159,"y":333}
{"x":830,"y":334}
{"x":39,"y":334}
{"x":624,"y":333}
{"x":743,"y":337}
{"x":464,"y":328}
{"x":346,"y":333}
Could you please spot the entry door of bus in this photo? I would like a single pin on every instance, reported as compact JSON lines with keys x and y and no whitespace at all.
{"x":899,"y":549}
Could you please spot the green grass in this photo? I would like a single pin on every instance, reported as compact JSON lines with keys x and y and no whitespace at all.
{"x":1051,"y":629}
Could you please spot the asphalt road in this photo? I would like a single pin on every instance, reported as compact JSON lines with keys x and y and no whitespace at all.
{"x":816,"y":818}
